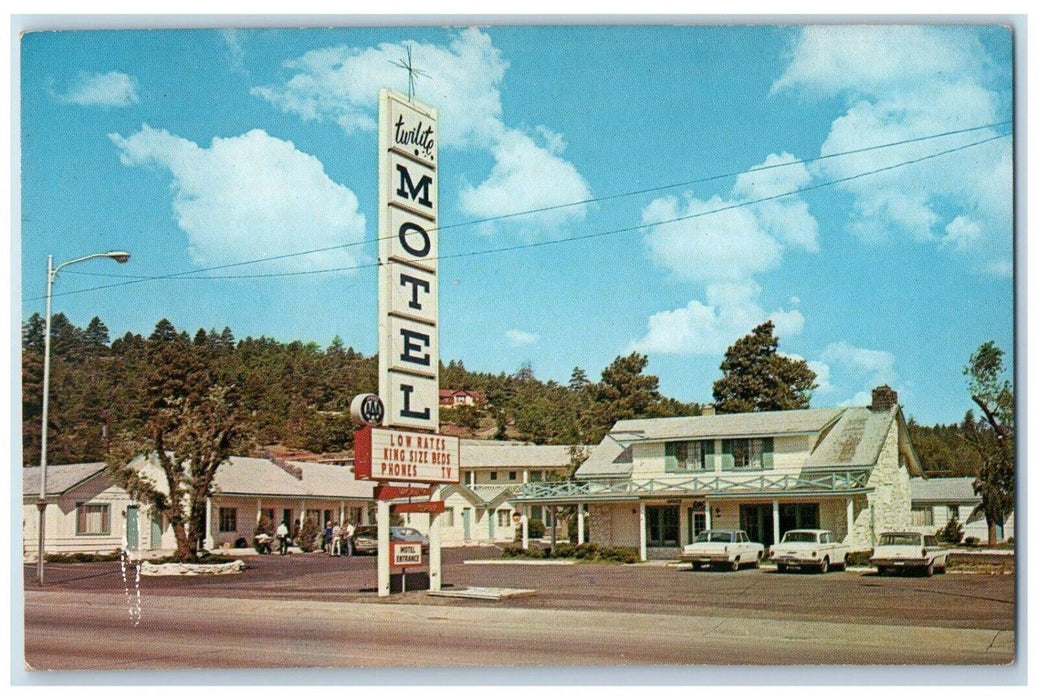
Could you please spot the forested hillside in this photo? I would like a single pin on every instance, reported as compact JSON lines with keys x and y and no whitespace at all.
{"x":295,"y":395}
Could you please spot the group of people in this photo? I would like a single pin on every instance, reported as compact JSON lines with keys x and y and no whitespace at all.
{"x":336,"y":539}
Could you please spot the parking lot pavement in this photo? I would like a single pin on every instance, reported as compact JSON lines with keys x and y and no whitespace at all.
{"x":951,"y":600}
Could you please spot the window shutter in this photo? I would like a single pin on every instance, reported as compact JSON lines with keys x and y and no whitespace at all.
{"x":708,"y":454}
{"x":670,"y":458}
{"x":727,"y":460}
{"x":768,"y":456}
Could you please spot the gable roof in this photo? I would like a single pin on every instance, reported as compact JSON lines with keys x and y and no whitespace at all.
{"x":726,"y":425}
{"x":854,"y":441}
{"x":944,"y":490}
{"x":608,"y":459}
{"x":477,"y":454}
{"x":61,"y":478}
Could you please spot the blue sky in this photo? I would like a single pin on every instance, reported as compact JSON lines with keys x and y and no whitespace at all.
{"x":197,"y":149}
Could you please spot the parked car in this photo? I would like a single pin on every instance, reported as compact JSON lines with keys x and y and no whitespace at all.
{"x":897,"y":551}
{"x":730,"y":548}
{"x":814,"y":549}
{"x":365,"y":539}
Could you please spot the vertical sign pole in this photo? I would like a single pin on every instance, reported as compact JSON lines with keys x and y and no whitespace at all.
{"x":435,"y":580}
{"x":382,"y":521}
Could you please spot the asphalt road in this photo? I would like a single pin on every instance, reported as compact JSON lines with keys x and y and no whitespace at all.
{"x":316,"y":611}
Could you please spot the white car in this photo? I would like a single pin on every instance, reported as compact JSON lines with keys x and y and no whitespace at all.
{"x":730,"y":548}
{"x":897,"y":551}
{"x":814,"y":549}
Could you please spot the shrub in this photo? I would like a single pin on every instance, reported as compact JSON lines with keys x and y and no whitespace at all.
{"x":563,"y":550}
{"x":511,"y":551}
{"x":82,"y":557}
{"x":308,"y":535}
{"x":535,"y":528}
{"x":951,"y":533}
{"x":588,"y":550}
{"x":624,"y":555}
{"x":972,"y":542}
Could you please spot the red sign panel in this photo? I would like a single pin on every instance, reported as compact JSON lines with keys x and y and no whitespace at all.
{"x":387,"y":492}
{"x":425,"y":507}
{"x":401,"y":455}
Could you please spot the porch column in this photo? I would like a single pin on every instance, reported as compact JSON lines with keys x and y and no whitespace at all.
{"x":775,"y":521}
{"x":526,"y":476}
{"x":580,"y":523}
{"x":259,"y":510}
{"x":526,"y":527}
{"x":342,"y":513}
{"x":850,"y":519}
{"x":209,"y":523}
{"x":642,"y":544}
{"x":709,"y":515}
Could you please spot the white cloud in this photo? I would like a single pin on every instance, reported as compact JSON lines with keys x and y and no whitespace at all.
{"x":518,"y":337}
{"x":235,"y":48}
{"x":463,"y":81}
{"x":846,"y":370}
{"x":730,"y":312}
{"x":112,"y":89}
{"x":903,"y":82}
{"x":252,"y":194}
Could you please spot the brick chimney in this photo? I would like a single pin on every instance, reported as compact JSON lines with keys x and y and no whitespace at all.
{"x":883,"y":398}
{"x":708,"y":410}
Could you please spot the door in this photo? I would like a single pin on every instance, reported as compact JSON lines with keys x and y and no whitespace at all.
{"x":156,"y":530}
{"x":466,"y":521}
{"x":662,"y":523}
{"x":132,"y":530}
{"x":798,"y":516}
{"x":756,"y":520}
{"x":696,"y":522}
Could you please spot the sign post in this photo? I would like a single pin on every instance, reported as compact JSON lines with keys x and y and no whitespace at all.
{"x":408,"y":449}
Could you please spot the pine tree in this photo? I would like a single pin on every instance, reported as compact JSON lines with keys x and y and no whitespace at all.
{"x":756,"y":378}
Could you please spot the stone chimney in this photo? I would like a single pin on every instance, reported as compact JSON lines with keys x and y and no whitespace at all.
{"x":708,"y":410}
{"x":883,"y":398}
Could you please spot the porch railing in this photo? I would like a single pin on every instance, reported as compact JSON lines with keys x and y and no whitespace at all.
{"x":701,"y":485}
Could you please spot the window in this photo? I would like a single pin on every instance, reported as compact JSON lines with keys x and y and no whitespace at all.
{"x":93,"y":519}
{"x":493,"y":476}
{"x":922,"y":516}
{"x":748,"y":453}
{"x":504,"y":518}
{"x":448,"y":517}
{"x":953,"y":512}
{"x":228,"y":519}
{"x":689,"y":455}
{"x":511,"y":476}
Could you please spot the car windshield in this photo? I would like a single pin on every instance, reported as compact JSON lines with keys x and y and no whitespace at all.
{"x":714,"y":536}
{"x":366,"y":532}
{"x":800,"y":537}
{"x":900,"y":538}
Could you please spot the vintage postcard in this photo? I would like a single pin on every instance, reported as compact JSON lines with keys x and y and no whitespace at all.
{"x":518,"y":347}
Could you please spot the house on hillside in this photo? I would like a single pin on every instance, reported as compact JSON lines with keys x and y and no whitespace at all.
{"x":656,"y":483}
{"x":454,"y":398}
{"x":935,"y":501}
{"x":88,"y":512}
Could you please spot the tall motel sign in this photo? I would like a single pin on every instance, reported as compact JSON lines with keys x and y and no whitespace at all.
{"x":407,"y":456}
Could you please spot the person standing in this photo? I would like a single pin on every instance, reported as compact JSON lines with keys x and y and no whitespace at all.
{"x":350,"y":530}
{"x":326,"y":542}
{"x":282,"y":534}
{"x":336,"y":540}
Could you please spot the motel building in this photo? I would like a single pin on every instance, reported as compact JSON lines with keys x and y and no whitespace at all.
{"x":88,"y":512}
{"x":656,"y":483}
{"x":480,"y":508}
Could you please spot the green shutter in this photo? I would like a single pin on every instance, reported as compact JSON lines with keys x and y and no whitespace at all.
{"x":670,"y":458}
{"x":727,"y":460}
{"x":708,"y":455}
{"x":769,"y":453}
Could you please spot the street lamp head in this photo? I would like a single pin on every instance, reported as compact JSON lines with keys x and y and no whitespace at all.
{"x":120,"y":256}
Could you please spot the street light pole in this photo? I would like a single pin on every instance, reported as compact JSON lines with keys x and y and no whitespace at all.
{"x":41,"y":505}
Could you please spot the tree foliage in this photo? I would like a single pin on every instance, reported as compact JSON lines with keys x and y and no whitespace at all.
{"x":755,"y":377}
{"x":993,"y":435}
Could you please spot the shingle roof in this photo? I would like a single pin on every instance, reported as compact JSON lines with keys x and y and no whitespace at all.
{"x":855,"y":440}
{"x":944,"y":490}
{"x":487,"y":453}
{"x":608,"y":458}
{"x":60,"y":477}
{"x":762,"y":424}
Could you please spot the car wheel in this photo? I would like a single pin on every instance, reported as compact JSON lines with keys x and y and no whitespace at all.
{"x":735,"y":564}
{"x":696,"y":566}
{"x":881,"y":571}
{"x":781,"y":568}
{"x":823,"y":568}
{"x":928,"y":570}
{"x":760,"y":558}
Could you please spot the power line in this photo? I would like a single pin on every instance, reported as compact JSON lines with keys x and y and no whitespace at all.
{"x":185,"y":274}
